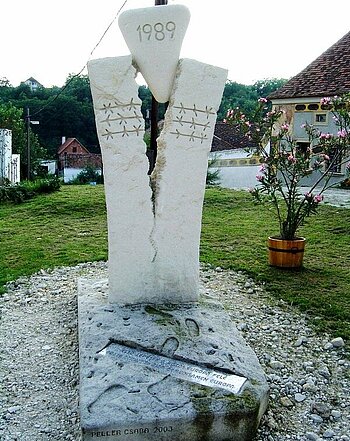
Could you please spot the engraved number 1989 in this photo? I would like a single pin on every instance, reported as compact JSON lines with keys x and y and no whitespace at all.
{"x":159,"y":31}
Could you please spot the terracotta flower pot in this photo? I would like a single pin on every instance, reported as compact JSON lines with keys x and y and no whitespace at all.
{"x":286,"y":253}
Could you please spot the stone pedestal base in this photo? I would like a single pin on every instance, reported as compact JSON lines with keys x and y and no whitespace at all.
{"x":165,"y":372}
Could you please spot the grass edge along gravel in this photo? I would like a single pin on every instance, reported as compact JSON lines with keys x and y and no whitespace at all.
{"x":69,"y":227}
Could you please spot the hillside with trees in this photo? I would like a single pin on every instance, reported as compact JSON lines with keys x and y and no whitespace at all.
{"x":68,"y":112}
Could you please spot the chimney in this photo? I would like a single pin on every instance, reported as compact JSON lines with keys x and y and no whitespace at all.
{"x":63,"y":139}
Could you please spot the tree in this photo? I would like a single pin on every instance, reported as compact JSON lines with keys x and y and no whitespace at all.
{"x":78,"y":87}
{"x":263,"y":88}
{"x":245,"y":97}
{"x":237,"y":95}
{"x":4,"y":82}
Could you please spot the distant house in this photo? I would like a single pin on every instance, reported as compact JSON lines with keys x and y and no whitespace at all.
{"x":73,"y":157}
{"x":33,"y":84}
{"x":231,"y":151}
{"x":300,"y":97}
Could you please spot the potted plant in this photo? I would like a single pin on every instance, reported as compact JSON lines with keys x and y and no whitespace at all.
{"x":284,"y":165}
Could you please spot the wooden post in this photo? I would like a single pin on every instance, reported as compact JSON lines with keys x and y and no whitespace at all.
{"x":27,"y":119}
{"x":154,"y":117}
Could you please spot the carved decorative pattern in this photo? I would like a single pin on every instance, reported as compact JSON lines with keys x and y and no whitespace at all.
{"x":192,"y":136}
{"x":122,"y":114}
{"x":193,"y":123}
{"x":124,"y":132}
{"x":208,"y":110}
{"x":121,"y":118}
{"x":117,"y":105}
{"x":198,"y":120}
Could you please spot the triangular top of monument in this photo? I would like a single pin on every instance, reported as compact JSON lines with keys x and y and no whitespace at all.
{"x":328,"y":75}
{"x":154,"y":37}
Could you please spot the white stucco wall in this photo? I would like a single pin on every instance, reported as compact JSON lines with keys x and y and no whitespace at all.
{"x":238,"y":177}
{"x":5,"y":153}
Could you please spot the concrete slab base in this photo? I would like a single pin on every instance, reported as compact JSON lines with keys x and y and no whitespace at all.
{"x":165,"y":372}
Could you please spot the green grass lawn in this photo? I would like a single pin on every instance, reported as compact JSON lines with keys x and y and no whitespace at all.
{"x":69,"y":227}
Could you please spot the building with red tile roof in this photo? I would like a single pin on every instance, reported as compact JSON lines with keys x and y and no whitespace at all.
{"x":300,"y":98}
{"x":73,"y":157}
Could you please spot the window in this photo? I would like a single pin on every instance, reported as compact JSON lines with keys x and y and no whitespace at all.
{"x":313,"y":106}
{"x":300,"y":107}
{"x":321,"y":118}
{"x":74,"y":150}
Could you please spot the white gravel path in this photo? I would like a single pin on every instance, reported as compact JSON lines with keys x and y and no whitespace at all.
{"x":308,"y":373}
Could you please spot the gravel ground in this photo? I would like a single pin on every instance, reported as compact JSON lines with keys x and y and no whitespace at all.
{"x":308,"y":373}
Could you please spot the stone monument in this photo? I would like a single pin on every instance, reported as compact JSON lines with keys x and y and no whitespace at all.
{"x":5,"y":154}
{"x":9,"y":162}
{"x":157,"y":362}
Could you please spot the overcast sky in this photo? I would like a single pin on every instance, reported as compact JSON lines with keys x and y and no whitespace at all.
{"x":254,"y":39}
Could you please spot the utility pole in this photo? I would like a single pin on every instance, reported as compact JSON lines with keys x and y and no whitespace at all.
{"x":154,"y":116}
{"x":28,"y":122}
{"x":27,"y":118}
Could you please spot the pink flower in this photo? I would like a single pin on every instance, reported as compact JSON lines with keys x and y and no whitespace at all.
{"x":342,"y":133}
{"x":325,"y":157}
{"x":285,"y":127}
{"x":259,"y":178}
{"x":262,"y":168}
{"x":262,"y":100}
{"x":326,"y":100}
{"x":348,"y":166}
{"x":292,"y":159}
{"x":326,"y":136}
{"x":318,"y":198}
{"x":303,"y":126}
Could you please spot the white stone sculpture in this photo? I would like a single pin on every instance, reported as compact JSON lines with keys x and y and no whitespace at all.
{"x":154,"y":222}
{"x":5,"y":154}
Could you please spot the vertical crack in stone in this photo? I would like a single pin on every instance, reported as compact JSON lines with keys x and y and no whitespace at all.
{"x":153,"y":185}
{"x":160,"y":164}
{"x":155,"y":177}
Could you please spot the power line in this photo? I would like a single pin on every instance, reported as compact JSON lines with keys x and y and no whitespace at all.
{"x":85,"y":65}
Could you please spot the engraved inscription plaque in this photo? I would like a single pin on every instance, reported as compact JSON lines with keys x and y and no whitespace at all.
{"x":177,"y":368}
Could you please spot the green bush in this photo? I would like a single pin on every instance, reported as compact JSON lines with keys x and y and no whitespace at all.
{"x":43,"y":185}
{"x":18,"y":193}
{"x":213,"y":176}
{"x":87,"y":175}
